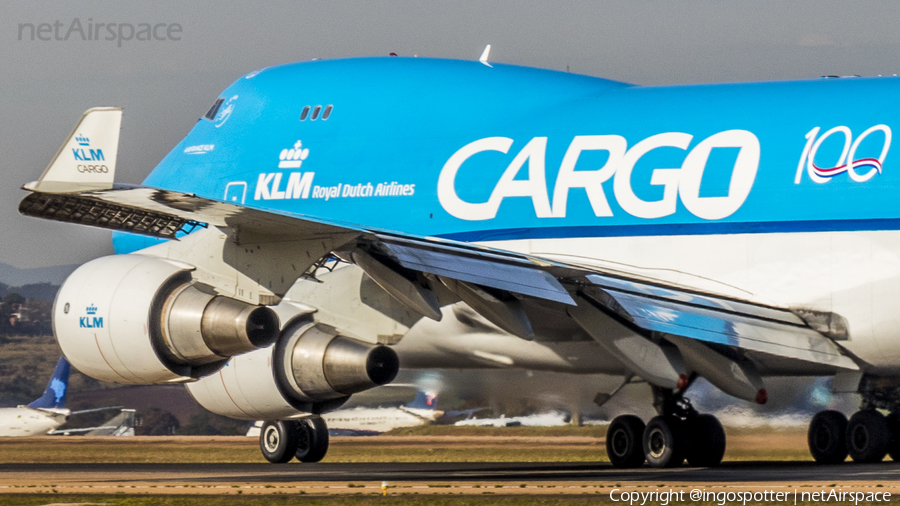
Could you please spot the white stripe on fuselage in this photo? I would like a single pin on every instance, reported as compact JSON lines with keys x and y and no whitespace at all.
{"x":25,"y":421}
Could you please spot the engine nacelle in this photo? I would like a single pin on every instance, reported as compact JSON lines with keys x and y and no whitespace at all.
{"x":141,"y":319}
{"x":312,"y":369}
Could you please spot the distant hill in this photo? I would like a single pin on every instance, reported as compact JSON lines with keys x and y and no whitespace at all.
{"x":42,"y":291}
{"x":54,"y":275}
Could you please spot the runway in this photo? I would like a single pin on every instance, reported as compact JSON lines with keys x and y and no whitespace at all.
{"x":225,"y":474}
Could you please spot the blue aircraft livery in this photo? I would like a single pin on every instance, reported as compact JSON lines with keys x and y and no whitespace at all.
{"x":55,"y":393}
{"x":732,"y":232}
{"x":466,"y":151}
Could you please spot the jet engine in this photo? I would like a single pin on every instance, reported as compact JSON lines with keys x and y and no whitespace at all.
{"x":140,"y":319}
{"x":311,"y":369}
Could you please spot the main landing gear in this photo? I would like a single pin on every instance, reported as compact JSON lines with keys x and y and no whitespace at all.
{"x":867,"y":437}
{"x":679,"y":433}
{"x":305,"y":439}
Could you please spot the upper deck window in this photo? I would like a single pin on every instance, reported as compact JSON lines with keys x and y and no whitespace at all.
{"x":316,"y":111}
{"x":211,"y":113}
{"x":304,"y":114}
{"x":327,"y":112}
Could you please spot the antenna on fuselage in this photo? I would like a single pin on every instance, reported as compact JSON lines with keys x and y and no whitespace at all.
{"x":484,"y":56}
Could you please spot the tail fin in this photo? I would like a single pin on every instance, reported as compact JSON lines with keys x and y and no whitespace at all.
{"x":87,"y":160}
{"x":55,"y":394}
{"x":424,"y":400}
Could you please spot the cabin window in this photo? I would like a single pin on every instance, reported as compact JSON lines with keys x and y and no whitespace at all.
{"x":211,"y":113}
{"x":316,"y":111}
{"x":327,"y":112}
{"x":304,"y":114}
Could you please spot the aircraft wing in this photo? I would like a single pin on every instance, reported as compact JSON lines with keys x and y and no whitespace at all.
{"x":651,"y":328}
{"x":647,"y":306}
{"x":157,"y":213}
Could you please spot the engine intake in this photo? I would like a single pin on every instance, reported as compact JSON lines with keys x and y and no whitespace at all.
{"x":140,"y":319}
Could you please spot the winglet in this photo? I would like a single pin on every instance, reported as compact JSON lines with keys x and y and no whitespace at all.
{"x":484,"y":56}
{"x":87,"y":160}
{"x":55,"y":394}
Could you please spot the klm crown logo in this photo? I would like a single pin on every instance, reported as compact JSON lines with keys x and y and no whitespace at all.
{"x":293,"y":158}
{"x":90,"y":321}
{"x":85,"y":154}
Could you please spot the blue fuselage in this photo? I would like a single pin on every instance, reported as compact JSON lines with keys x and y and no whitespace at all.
{"x":462,"y":150}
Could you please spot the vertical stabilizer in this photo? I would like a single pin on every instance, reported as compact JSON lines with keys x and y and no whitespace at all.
{"x":424,"y":400}
{"x":55,"y":394}
{"x":87,"y":159}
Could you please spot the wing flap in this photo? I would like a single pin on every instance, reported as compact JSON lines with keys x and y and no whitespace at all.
{"x":742,"y":331}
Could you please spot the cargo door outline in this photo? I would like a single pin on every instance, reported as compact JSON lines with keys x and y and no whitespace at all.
{"x":236,"y":190}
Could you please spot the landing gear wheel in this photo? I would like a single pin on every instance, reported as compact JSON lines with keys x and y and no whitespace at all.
{"x":624,"y":442}
{"x":868,"y":436}
{"x":706,"y":441}
{"x":312,"y":435}
{"x":663,"y":442}
{"x":826,"y":437}
{"x":278,"y":441}
{"x":894,"y":425}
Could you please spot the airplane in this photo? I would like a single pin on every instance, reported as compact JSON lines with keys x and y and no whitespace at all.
{"x":43,"y":415}
{"x":367,"y":421}
{"x":49,"y":411}
{"x":328,"y":221}
{"x":549,"y":419}
{"x":361,"y":421}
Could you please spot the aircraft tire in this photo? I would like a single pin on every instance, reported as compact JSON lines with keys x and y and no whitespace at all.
{"x":706,"y":441}
{"x":624,"y":442}
{"x":312,"y":439}
{"x":664,"y":442}
{"x":868,"y":436}
{"x":894,"y":425}
{"x":827,"y":437}
{"x":278,"y":440}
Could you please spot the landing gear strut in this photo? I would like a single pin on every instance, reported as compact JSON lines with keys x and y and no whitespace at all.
{"x":678,"y":433}
{"x":283,"y":440}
